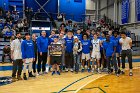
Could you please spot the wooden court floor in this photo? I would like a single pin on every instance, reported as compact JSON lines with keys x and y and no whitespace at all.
{"x":75,"y":83}
{"x":113,"y":84}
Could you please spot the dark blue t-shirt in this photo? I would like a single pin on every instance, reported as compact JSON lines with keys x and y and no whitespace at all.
{"x":86,"y":46}
{"x":69,"y":44}
{"x":109,"y":47}
{"x":118,"y":46}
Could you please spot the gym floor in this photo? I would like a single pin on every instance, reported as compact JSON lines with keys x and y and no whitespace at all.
{"x":76,"y":83}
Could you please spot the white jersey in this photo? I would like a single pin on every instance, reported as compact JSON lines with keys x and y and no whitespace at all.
{"x":95,"y":45}
{"x":16,"y":48}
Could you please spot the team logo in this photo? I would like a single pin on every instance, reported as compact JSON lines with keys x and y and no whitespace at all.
{"x":5,"y":80}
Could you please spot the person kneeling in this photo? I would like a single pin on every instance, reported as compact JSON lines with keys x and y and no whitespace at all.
{"x":28,"y":55}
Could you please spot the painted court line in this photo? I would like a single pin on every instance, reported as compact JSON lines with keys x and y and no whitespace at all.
{"x":74,"y":83}
{"x":88,"y":83}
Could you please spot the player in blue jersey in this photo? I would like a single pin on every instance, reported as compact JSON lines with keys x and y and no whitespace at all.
{"x":28,"y":55}
{"x":69,"y":51}
{"x":118,"y":47}
{"x":109,"y":53}
{"x":86,"y":45}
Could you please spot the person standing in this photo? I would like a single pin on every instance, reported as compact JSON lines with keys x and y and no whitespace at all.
{"x":86,"y":47}
{"x":55,"y":58}
{"x":69,"y":51}
{"x":28,"y":55}
{"x":126,"y":43}
{"x":96,"y":55}
{"x":109,"y":47}
{"x":77,"y":51}
{"x":118,"y":48}
{"x":35,"y":50}
{"x":42,"y":44}
{"x":62,"y":41}
{"x":16,"y":56}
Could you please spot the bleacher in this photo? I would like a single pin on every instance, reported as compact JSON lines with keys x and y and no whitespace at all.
{"x":2,"y":43}
{"x":7,"y":42}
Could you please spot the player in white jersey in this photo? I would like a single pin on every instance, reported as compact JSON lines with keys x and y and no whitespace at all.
{"x":96,"y":43}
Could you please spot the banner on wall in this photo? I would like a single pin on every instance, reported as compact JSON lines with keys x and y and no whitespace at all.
{"x":125,"y":11}
{"x":138,"y":9}
{"x":77,"y":0}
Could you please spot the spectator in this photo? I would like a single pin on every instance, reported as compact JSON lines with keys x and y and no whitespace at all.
{"x":14,"y":30}
{"x":5,"y":30}
{"x":15,"y":17}
{"x":6,"y":52}
{"x":12,"y":38}
{"x":8,"y":35}
{"x":1,"y":24}
{"x":9,"y":18}
{"x":20,"y":25}
{"x":26,"y":26}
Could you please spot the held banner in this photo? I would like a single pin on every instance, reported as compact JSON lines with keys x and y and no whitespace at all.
{"x":125,"y":11}
{"x":55,"y":50}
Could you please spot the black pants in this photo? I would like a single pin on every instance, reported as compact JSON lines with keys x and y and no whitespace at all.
{"x":42,"y":59}
{"x":103,"y":60}
{"x":3,"y":57}
{"x":17,"y":64}
{"x":128,"y":54}
{"x":69,"y":62}
{"x":34,"y":64}
{"x":111,"y":61}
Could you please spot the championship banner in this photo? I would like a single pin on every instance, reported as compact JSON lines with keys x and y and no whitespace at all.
{"x":138,"y":9}
{"x":77,"y":0}
{"x":125,"y":11}
{"x":55,"y":50}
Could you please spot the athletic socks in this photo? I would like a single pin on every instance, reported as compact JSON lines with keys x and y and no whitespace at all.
{"x":24,"y":76}
{"x":130,"y":70}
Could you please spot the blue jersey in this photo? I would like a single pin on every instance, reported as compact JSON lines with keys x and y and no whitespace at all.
{"x":118,"y":47}
{"x":51,"y":39}
{"x":42,"y":44}
{"x":69,"y":44}
{"x":109,"y":47}
{"x":1,"y":25}
{"x":79,"y":36}
{"x":112,"y":37}
{"x":103,"y":39}
{"x":86,"y":46}
{"x":27,"y":48}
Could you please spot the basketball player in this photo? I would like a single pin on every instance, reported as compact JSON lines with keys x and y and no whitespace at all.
{"x":109,"y":53}
{"x":126,"y":43}
{"x":96,"y":43}
{"x":118,"y":48}
{"x":28,"y":55}
{"x":86,"y":45}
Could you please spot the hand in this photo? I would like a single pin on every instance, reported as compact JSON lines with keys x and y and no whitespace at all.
{"x":49,"y":47}
{"x":40,"y":53}
{"x":78,"y":50}
{"x":23,"y":60}
{"x":12,"y":57}
{"x":33,"y":59}
{"x":113,"y":55}
{"x":104,"y":56}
